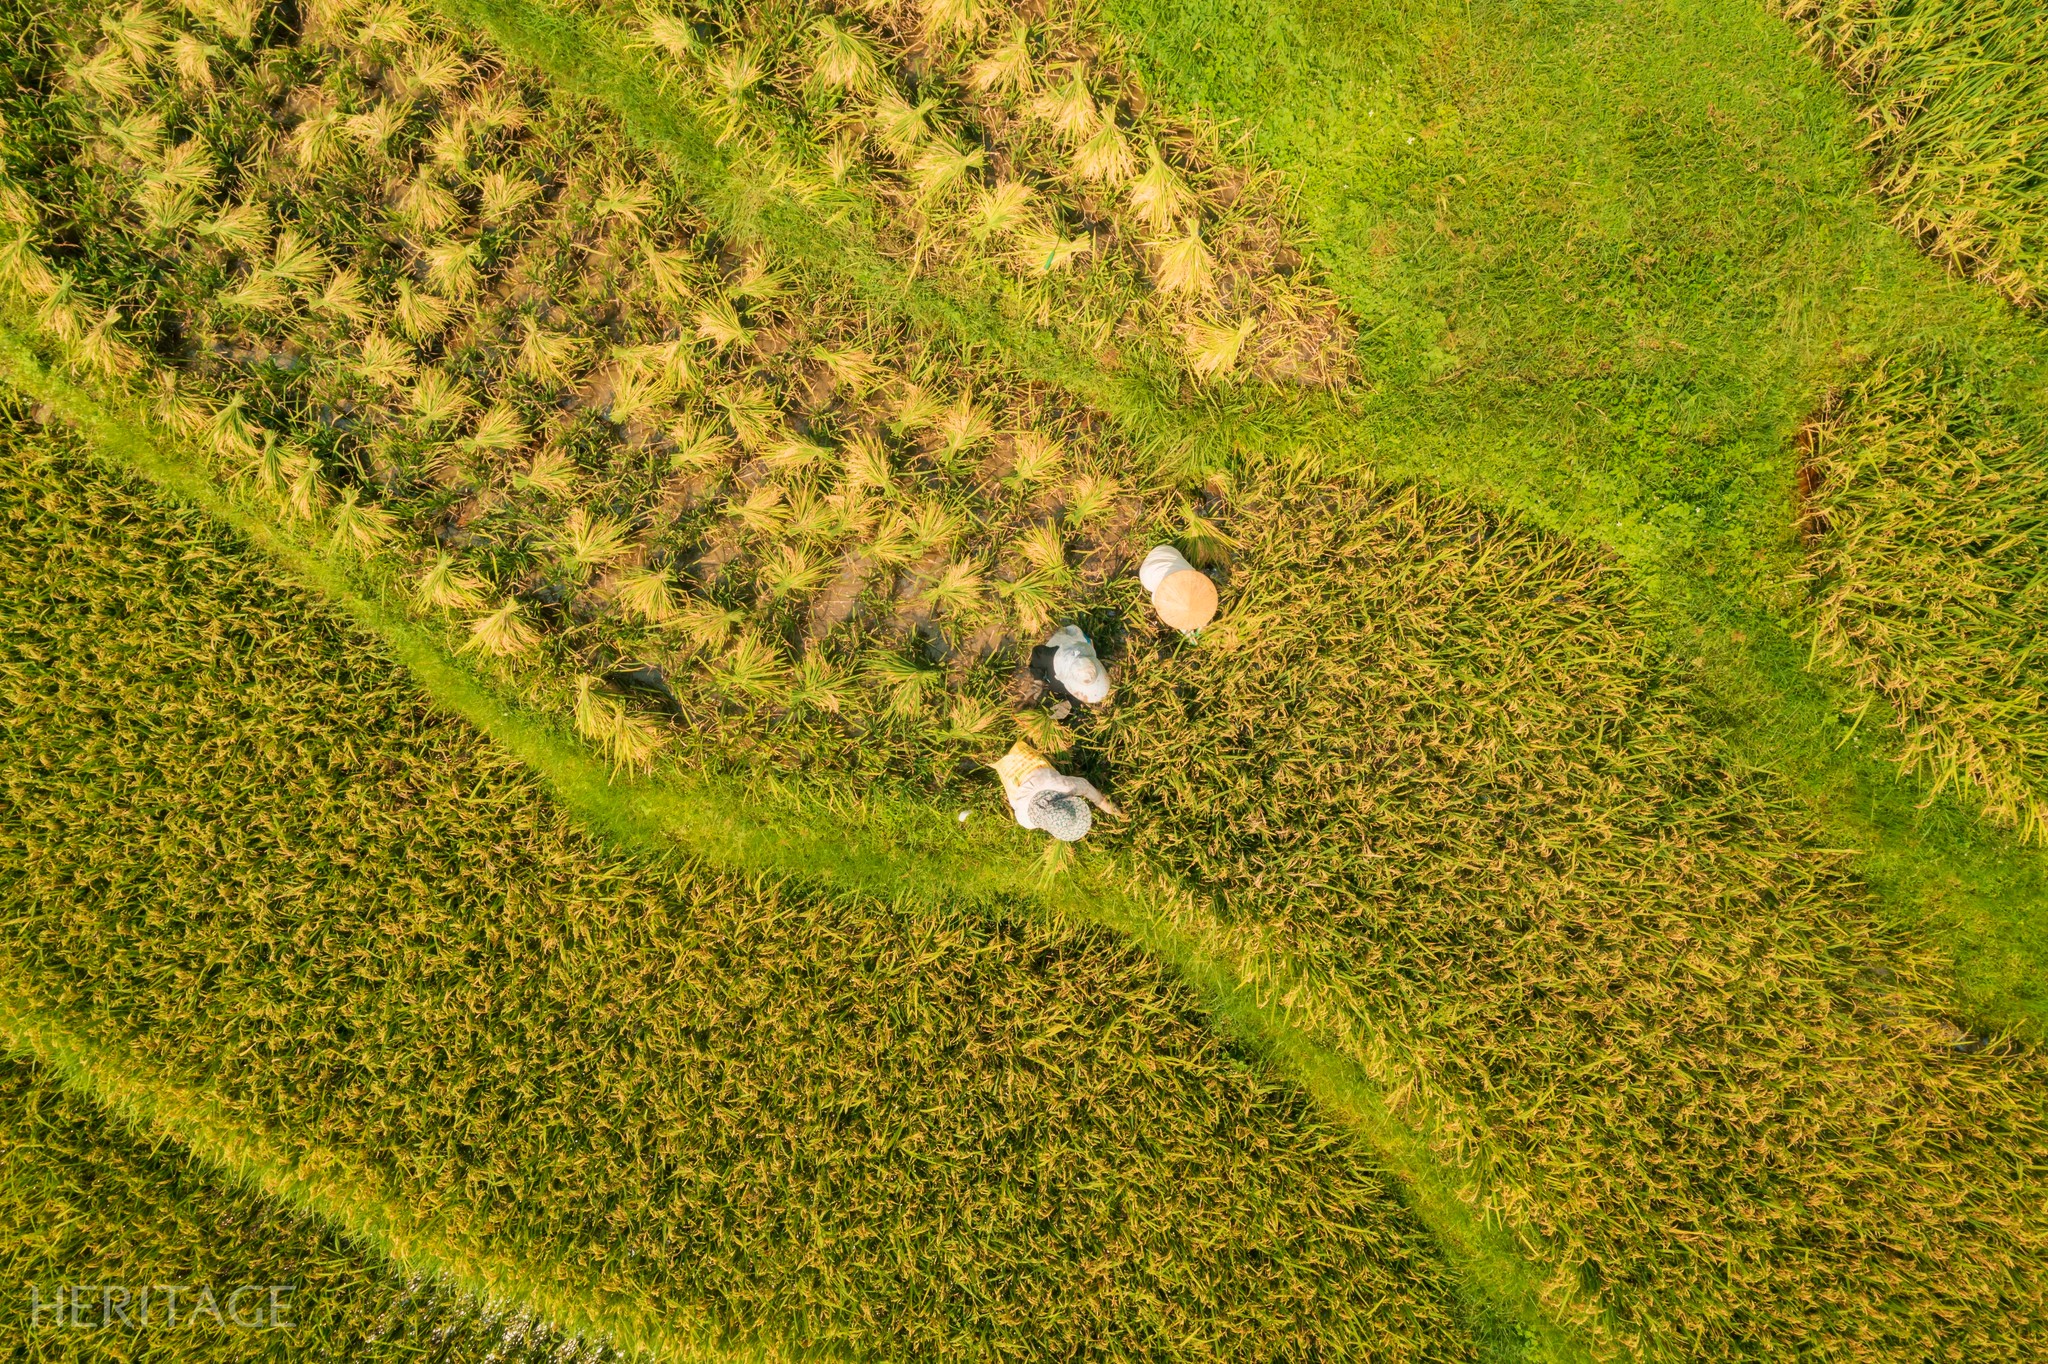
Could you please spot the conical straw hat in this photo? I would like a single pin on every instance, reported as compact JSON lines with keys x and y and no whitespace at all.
{"x":1185,"y":600}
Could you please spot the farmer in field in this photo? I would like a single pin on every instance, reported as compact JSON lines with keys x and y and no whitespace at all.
{"x":1043,"y":798}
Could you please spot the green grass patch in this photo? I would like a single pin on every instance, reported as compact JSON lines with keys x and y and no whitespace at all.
{"x":98,"y":1216}
{"x":685,"y":1096}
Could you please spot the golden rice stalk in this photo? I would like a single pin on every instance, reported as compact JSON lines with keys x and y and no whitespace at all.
{"x":140,"y":136}
{"x":1184,"y":265}
{"x":842,"y":156}
{"x":307,"y":492}
{"x":670,"y":362}
{"x":635,"y":394}
{"x":794,"y":454}
{"x":258,"y":293}
{"x":1159,"y":196}
{"x":790,"y":572}
{"x":438,"y":399}
{"x":942,"y":167}
{"x":755,"y":418}
{"x":496,"y":108}
{"x":820,"y":686}
{"x":547,"y":357}
{"x":1213,"y":349}
{"x":734,"y":72}
{"x":167,"y":210}
{"x":502,"y":633}
{"x":499,"y":428}
{"x":425,"y":205}
{"x":971,"y":718}
{"x":763,"y":511}
{"x":759,"y":278}
{"x":625,"y":201}
{"x":841,"y":59}
{"x":192,"y":60}
{"x":917,"y":408}
{"x":964,"y":425}
{"x":753,"y":668}
{"x":230,"y":434}
{"x":1033,"y":597}
{"x":675,"y":273}
{"x":698,"y":447}
{"x":907,"y":682}
{"x":669,"y":33}
{"x":630,"y":740}
{"x":1035,"y":458}
{"x":893,"y":541}
{"x":296,"y":260}
{"x":445,"y":587}
{"x":958,"y":589}
{"x":276,"y":465}
{"x":374,"y":128}
{"x":187,"y":165}
{"x":586,"y":542}
{"x":1106,"y":157}
{"x":448,"y":143}
{"x":22,"y":266}
{"x":551,"y":474}
{"x":503,"y":195}
{"x":1043,"y":249}
{"x":1000,"y":210}
{"x":1042,"y":548}
{"x":935,"y":526}
{"x":243,"y":228}
{"x":104,"y":353}
{"x":235,"y":19}
{"x":357,"y":526}
{"x":343,"y":298}
{"x":719,"y":323}
{"x":1069,"y":106}
{"x":867,"y":463}
{"x":420,"y":314}
{"x":944,"y":20}
{"x":900,"y":126}
{"x":454,"y":267}
{"x":645,"y":594}
{"x":136,"y":31}
{"x":430,"y":70}
{"x":1008,"y":67}
{"x":706,"y":624}
{"x":107,"y":74}
{"x":1089,"y":496}
{"x":853,"y":370}
{"x":384,"y":361}
{"x":389,"y":24}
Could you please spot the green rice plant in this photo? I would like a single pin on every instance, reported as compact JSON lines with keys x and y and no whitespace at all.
{"x":737,"y":1070}
{"x":1956,"y":98}
{"x":1926,"y":518}
{"x":87,"y":1201}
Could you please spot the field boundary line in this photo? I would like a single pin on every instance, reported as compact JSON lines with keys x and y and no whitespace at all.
{"x":769,"y":827}
{"x":327,"y":1184}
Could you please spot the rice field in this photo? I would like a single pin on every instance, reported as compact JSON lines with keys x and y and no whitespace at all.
{"x":96,"y":1213}
{"x":694,"y":1106}
{"x":760,"y":447}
